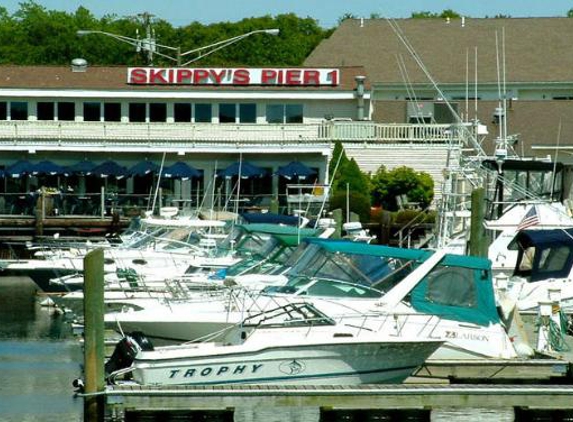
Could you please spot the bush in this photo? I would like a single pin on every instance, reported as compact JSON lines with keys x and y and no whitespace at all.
{"x":359,"y":204}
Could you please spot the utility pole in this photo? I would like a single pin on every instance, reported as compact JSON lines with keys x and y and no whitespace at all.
{"x":148,"y":44}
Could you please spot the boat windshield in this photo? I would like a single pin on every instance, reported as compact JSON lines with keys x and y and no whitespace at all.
{"x":304,"y":286}
{"x":292,"y":314}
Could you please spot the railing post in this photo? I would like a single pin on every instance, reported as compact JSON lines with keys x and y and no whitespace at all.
{"x":102,"y":202}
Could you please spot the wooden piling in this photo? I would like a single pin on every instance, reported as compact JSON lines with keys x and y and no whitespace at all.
{"x":94,"y":336}
{"x":478,"y":246}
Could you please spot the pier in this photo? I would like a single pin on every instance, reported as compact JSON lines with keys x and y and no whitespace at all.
{"x":317,"y":403}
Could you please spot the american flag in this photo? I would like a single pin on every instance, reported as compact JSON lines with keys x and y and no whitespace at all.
{"x":530,"y":219}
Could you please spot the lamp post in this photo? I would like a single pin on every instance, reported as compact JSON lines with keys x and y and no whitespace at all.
{"x":151,"y":46}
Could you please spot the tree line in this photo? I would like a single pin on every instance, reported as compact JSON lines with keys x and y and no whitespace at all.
{"x":34,"y":35}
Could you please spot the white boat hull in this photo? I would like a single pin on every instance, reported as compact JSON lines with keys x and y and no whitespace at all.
{"x":344,"y":363}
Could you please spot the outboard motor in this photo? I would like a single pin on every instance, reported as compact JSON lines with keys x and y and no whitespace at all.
{"x":126,"y":350}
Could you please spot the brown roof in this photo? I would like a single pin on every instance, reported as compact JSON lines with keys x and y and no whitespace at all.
{"x":115,"y":78}
{"x":536,"y":49}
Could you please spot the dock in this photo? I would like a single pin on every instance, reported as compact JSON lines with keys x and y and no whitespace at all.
{"x":503,"y":402}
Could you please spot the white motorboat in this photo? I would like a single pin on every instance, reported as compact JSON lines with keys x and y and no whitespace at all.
{"x":453,"y":296}
{"x":292,"y":344}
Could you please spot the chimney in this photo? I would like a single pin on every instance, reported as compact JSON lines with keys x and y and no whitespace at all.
{"x":360,"y":96}
{"x":79,"y":65}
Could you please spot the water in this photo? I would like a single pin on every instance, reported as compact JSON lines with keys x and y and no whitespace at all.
{"x":39,"y":358}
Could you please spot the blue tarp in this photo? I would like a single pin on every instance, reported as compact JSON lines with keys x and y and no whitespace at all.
{"x":181,"y":170}
{"x":47,"y":167}
{"x":19,"y":168}
{"x":244,"y":168}
{"x":143,"y":168}
{"x":295,"y":169}
{"x":109,"y":168}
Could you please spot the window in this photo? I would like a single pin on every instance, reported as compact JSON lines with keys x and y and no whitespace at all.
{"x":92,"y":112}
{"x":284,"y":113}
{"x":112,"y":112}
{"x":203,"y":113}
{"x":45,"y":110}
{"x":247,"y":113}
{"x":293,"y":113}
{"x":182,"y":112}
{"x":3,"y":110}
{"x":66,"y":111}
{"x":452,"y":286}
{"x":274,"y":113}
{"x":227,"y":113}
{"x":157,"y":112}
{"x":18,"y":110}
{"x":137,"y":112}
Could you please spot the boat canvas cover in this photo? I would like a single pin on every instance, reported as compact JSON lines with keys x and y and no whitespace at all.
{"x":360,"y":248}
{"x":553,"y":256}
{"x":459,"y":288}
{"x":287,"y":235}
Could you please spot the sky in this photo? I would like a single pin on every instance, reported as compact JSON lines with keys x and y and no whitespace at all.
{"x":326,"y":12}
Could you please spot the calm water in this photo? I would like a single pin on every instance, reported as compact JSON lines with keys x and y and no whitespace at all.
{"x":39,"y":358}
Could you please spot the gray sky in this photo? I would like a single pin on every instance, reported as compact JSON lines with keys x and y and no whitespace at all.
{"x":327,"y":12}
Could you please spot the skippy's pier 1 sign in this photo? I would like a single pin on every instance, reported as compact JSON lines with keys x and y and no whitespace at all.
{"x":233,"y":76}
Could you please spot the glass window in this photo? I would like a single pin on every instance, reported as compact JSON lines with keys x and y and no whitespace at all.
{"x":293,"y":113}
{"x":203,"y":113}
{"x":275,"y":113}
{"x":18,"y":110}
{"x":112,"y":112}
{"x":137,"y":112}
{"x":45,"y":110}
{"x":3,"y":110}
{"x":157,"y":112}
{"x":247,"y":113}
{"x":182,"y":112}
{"x":92,"y":112}
{"x":66,"y":111}
{"x":227,"y":113}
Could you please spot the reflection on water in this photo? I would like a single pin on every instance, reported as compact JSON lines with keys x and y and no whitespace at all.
{"x":38,"y":358}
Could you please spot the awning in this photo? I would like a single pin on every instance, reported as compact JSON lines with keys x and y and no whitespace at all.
{"x":84,"y":167}
{"x":20,"y":168}
{"x":109,"y":168}
{"x":47,"y":167}
{"x":181,"y":170}
{"x":295,"y":169}
{"x":143,"y":168}
{"x":244,"y":169}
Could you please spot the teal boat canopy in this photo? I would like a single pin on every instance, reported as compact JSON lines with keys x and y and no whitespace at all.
{"x":361,"y":248}
{"x":459,"y":288}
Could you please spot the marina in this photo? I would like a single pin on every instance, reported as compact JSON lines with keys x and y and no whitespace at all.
{"x":310,"y":242}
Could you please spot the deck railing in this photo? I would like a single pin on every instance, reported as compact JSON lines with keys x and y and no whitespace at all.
{"x":26,"y":132}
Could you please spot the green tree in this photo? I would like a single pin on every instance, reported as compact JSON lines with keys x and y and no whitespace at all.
{"x":447,"y":13}
{"x":358,"y":202}
{"x":388,"y":185}
{"x":570,"y":13}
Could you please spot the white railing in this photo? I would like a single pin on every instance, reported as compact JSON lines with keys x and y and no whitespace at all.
{"x":16,"y":132}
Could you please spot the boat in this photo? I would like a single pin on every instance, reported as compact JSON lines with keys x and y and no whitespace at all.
{"x":294,"y":344}
{"x":432,"y":292}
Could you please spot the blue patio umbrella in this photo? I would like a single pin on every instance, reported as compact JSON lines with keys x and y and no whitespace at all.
{"x":47,"y":167}
{"x":181,"y":170}
{"x":109,"y":168}
{"x":143,"y":168}
{"x":81,"y":167}
{"x":295,"y":169}
{"x":20,"y":168}
{"x":245,"y":169}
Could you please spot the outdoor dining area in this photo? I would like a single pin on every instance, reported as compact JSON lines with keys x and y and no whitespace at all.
{"x":93,"y":189}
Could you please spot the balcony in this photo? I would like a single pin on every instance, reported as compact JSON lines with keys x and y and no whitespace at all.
{"x":20,"y":135}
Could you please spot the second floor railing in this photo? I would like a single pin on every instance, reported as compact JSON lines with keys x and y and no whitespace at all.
{"x":14,"y":132}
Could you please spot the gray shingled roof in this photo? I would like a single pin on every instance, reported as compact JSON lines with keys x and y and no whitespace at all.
{"x":536,"y":49}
